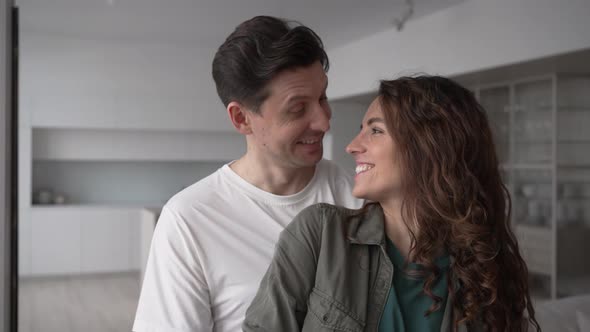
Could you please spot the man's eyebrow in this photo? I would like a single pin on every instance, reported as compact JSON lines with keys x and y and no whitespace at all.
{"x":295,"y":98}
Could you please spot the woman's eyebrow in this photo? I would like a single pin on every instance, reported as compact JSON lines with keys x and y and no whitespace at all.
{"x":373,"y":120}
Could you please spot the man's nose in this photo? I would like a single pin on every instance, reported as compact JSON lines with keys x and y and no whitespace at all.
{"x":321,"y":120}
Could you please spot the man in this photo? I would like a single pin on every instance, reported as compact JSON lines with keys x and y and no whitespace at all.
{"x":215,"y":239}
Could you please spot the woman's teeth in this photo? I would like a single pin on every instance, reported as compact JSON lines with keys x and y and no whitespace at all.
{"x":363,"y":168}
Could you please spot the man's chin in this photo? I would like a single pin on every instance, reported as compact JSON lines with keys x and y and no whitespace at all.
{"x":313,"y":161}
{"x":307,"y":162}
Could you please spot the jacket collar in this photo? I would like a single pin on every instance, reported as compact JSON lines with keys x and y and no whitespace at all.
{"x":367,"y":226}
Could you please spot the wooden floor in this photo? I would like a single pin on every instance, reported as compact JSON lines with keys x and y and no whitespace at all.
{"x":73,"y":304}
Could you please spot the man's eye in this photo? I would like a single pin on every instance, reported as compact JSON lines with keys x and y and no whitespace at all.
{"x":297,"y":111}
{"x":297,"y":108}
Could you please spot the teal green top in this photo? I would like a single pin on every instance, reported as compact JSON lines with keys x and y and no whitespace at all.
{"x":407,"y":304}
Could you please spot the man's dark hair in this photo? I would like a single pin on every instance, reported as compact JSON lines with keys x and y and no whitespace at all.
{"x":256,"y":52}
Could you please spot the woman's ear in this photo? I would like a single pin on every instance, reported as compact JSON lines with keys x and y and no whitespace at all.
{"x":240,"y":117}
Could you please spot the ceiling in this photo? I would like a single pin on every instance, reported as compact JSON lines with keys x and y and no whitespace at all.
{"x":572,"y":63}
{"x":206,"y":23}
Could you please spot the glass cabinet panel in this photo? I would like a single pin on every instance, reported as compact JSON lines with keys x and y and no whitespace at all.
{"x":573,"y":185}
{"x":532,"y":199}
{"x":495,"y":101}
{"x":541,"y":132}
{"x":533,"y":122}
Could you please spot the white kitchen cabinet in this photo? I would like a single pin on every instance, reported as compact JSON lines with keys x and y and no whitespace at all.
{"x":70,"y":240}
{"x":24,"y":242}
{"x":107,"y":176}
{"x":540,"y":129}
{"x":106,"y":240}
{"x":148,"y":224}
{"x":55,"y":242}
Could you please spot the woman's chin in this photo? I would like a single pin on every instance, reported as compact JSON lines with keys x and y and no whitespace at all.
{"x":360,"y":194}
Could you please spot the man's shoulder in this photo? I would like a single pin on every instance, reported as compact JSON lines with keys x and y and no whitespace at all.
{"x":324,"y":209}
{"x":201,"y":192}
{"x":193,"y":207}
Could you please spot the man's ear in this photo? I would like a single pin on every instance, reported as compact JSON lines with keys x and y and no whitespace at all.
{"x":240,"y":117}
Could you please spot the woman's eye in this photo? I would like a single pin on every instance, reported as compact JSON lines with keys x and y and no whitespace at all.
{"x":376,"y":131}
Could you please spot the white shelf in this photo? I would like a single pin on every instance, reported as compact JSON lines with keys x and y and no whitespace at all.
{"x":100,"y":182}
{"x":135,"y":145}
{"x":585,"y":109}
{"x":540,"y":167}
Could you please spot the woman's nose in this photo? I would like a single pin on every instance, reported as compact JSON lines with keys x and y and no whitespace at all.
{"x":354,"y":146}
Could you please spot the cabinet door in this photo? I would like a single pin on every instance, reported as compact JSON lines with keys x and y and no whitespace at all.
{"x":107,"y":240}
{"x":495,"y":101}
{"x":533,"y":127}
{"x":24,"y":242}
{"x":55,"y":242}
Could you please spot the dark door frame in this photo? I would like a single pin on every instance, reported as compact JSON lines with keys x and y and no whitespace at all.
{"x":14,"y":53}
{"x":8,"y":167}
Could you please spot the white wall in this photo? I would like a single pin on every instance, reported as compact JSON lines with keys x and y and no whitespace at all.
{"x":346,"y":119}
{"x":471,"y":36}
{"x":112,"y":84}
{"x":116,"y":100}
{"x":24,"y":188}
{"x":139,"y":145}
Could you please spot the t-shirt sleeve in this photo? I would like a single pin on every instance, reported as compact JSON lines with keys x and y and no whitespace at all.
{"x":174,"y":295}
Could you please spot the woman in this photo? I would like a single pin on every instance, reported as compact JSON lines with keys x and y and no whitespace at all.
{"x":433,"y":251}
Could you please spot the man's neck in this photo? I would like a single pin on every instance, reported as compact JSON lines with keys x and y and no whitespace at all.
{"x":272,"y":178}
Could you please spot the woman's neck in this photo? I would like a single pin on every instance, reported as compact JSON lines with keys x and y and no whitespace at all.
{"x":395,"y":228}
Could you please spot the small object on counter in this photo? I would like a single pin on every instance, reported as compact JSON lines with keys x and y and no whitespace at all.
{"x":59,"y":199}
{"x":529,"y":190}
{"x":44,"y":196}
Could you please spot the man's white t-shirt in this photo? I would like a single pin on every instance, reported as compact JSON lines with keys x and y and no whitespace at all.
{"x":213,"y":243}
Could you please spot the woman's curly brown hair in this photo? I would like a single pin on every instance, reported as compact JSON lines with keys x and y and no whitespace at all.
{"x":455,"y":201}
